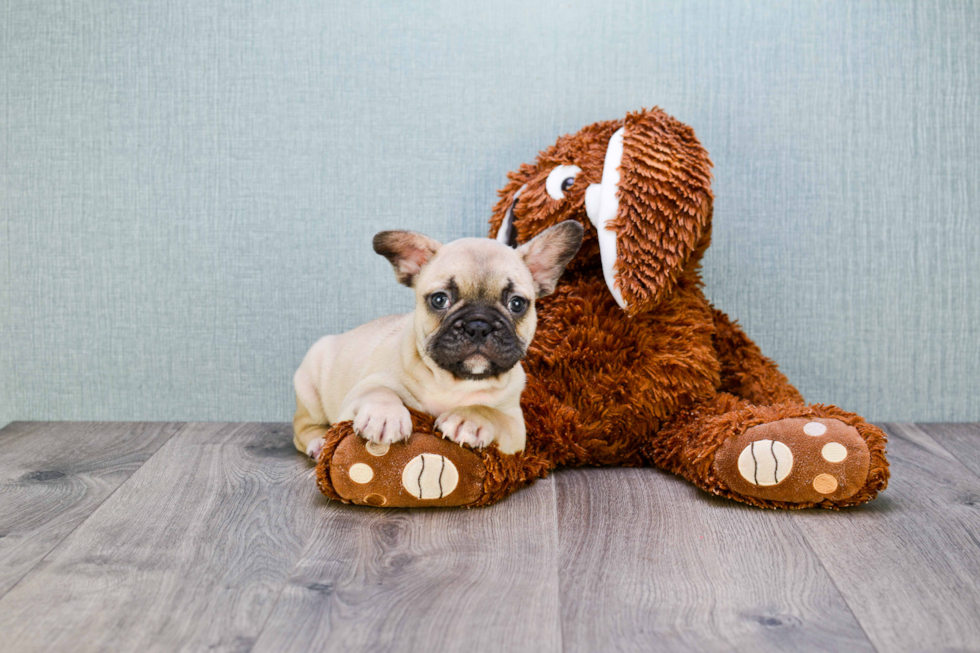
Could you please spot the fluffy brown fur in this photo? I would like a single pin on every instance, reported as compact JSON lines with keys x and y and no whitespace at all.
{"x":667,"y":381}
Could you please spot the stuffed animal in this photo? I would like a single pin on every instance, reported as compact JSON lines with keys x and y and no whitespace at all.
{"x":630,"y":365}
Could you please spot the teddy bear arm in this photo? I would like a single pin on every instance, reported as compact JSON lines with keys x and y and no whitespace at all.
{"x":426,"y":470}
{"x":745,"y":372}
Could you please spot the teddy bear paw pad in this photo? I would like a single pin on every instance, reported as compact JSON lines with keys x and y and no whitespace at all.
{"x":422,"y":471}
{"x":796,"y":460}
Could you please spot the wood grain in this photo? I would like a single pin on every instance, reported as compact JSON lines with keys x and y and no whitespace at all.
{"x":650,"y":563}
{"x":961,"y":440}
{"x":908,"y":563}
{"x":54,"y":475}
{"x":190,"y":553}
{"x":425,"y":580}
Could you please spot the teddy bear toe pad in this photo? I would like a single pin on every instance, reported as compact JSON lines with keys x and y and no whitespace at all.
{"x":797,"y":460}
{"x":423,"y":471}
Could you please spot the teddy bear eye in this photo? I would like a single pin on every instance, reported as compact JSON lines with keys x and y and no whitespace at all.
{"x":561,"y":179}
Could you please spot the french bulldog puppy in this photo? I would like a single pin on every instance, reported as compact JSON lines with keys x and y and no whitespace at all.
{"x":455,"y":357}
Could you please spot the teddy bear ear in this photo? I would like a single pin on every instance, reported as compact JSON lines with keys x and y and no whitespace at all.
{"x":661,"y":223}
{"x":502,"y":227}
{"x":506,"y":231}
{"x":649,"y":201}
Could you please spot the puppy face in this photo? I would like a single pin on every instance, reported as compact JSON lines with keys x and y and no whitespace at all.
{"x":642,"y":188}
{"x":475,"y":308}
{"x":474,"y":297}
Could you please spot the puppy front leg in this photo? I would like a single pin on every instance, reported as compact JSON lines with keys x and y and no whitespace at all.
{"x":307,"y":431}
{"x":379,"y":414}
{"x":478,"y":426}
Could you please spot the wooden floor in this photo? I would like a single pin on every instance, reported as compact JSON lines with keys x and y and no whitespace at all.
{"x":128,"y":537}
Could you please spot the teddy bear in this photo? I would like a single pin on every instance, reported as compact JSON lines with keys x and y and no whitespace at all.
{"x":630,"y":365}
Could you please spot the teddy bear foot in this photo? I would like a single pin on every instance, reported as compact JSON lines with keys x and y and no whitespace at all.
{"x":423,"y":471}
{"x":795,"y":460}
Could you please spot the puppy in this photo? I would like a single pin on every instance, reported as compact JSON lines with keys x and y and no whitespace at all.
{"x":455,"y":357}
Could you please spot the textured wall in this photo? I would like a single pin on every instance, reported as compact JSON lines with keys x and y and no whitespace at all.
{"x":188,"y":188}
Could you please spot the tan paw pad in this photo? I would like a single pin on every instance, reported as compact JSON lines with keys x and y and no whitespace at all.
{"x":834,"y":452}
{"x":765,"y":462}
{"x":361,"y":473}
{"x":377,"y":448}
{"x":825,"y":484}
{"x":815,"y":429}
{"x":430,"y":476}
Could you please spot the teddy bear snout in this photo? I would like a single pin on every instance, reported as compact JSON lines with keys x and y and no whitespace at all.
{"x":602,"y":205}
{"x":593,"y":199}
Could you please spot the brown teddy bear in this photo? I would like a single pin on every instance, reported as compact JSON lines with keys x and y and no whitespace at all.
{"x":630,"y":365}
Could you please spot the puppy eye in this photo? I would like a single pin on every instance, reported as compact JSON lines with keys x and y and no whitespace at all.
{"x":517,"y":304}
{"x":561,"y":179}
{"x":439,"y":300}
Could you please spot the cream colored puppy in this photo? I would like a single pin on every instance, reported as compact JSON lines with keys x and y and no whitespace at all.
{"x":455,"y":357}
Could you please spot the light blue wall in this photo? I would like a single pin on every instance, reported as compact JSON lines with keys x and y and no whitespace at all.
{"x":188,"y":188}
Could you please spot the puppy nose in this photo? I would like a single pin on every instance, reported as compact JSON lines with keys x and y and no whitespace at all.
{"x":478,"y":329}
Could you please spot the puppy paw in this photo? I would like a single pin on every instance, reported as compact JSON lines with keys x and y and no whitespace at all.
{"x":314,"y":448}
{"x":466,"y":426}
{"x":383,"y":423}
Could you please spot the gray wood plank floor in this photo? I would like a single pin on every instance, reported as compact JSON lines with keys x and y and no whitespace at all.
{"x":53,"y":476}
{"x":213,"y":536}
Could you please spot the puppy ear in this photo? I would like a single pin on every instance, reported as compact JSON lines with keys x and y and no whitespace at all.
{"x":407,"y":251}
{"x":547,"y":254}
